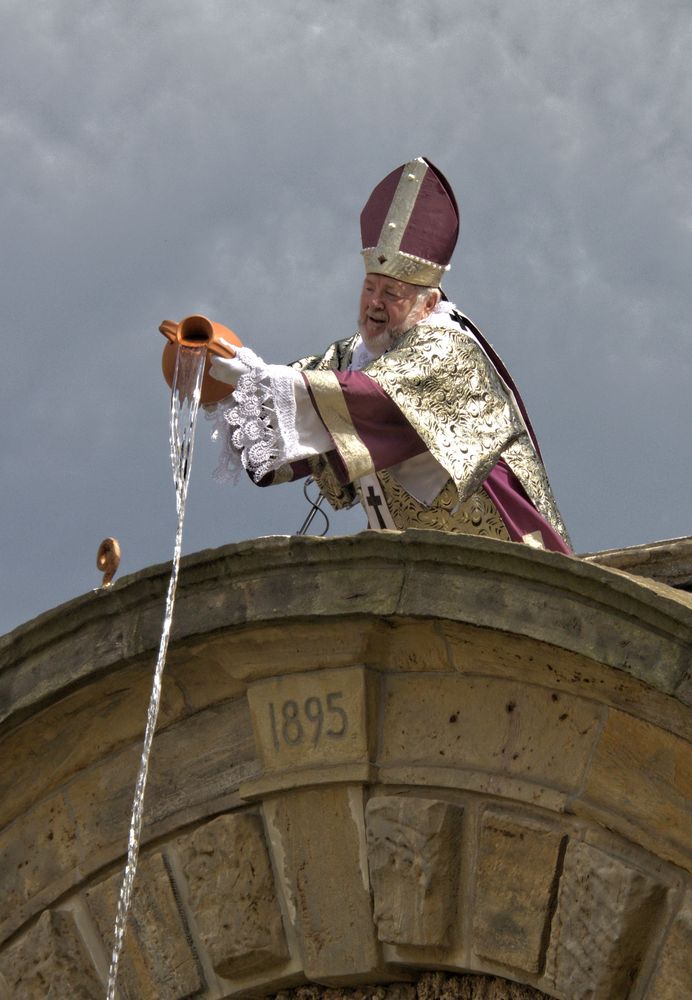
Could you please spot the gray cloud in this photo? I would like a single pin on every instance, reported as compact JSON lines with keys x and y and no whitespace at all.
{"x":160,"y":159}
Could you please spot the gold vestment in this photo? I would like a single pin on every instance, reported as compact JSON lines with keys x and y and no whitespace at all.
{"x":451,"y":394}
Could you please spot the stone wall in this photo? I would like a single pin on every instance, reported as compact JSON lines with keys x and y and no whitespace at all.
{"x":375,"y":756}
{"x":668,"y":561}
{"x":430,"y":986}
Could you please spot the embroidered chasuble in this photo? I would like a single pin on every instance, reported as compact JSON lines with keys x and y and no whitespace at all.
{"x":436,"y":393}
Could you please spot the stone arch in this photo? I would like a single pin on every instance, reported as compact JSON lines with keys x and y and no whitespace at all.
{"x":428,"y":986}
{"x":376,"y":756}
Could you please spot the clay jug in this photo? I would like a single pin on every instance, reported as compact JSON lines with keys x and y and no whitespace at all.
{"x":198,"y":331}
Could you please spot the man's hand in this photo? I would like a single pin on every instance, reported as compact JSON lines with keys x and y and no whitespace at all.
{"x":227,"y":370}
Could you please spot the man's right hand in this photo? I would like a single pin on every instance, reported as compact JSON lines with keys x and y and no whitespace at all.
{"x":227,"y":370}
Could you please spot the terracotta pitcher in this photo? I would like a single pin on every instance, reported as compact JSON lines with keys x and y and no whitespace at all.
{"x":198,"y":331}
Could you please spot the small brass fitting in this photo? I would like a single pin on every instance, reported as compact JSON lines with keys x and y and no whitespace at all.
{"x":108,"y":559}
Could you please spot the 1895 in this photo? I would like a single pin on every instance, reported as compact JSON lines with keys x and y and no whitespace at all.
{"x":313,"y":720}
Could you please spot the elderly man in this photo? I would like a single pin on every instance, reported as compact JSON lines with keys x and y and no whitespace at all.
{"x":415,"y":415}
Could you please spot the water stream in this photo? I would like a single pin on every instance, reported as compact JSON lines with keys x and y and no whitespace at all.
{"x":185,"y":395}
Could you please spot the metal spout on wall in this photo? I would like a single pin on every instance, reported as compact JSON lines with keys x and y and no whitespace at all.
{"x":108,"y":559}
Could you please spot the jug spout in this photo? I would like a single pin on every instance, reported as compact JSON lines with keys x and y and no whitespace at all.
{"x":199,"y":331}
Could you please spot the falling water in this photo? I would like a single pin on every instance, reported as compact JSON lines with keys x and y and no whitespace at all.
{"x":187,"y":382}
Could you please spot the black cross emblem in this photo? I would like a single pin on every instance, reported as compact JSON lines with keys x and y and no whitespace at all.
{"x":375,"y":502}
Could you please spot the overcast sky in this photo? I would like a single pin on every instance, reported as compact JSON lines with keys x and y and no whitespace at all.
{"x":162,"y":158}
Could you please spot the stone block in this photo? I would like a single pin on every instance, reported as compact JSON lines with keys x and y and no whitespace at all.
{"x":489,"y":725}
{"x":317,"y":718}
{"x":673,"y":976}
{"x":267,"y":588}
{"x":429,"y":986}
{"x":402,"y":645}
{"x":67,"y":836}
{"x":571,"y":606}
{"x":200,"y":760}
{"x":317,"y":838}
{"x":252,"y":652}
{"x":413,"y":856}
{"x":34,"y":855}
{"x":640,"y":783}
{"x":605,"y":913}
{"x":50,"y":962}
{"x":157,"y":960}
{"x":515,"y":873}
{"x":70,"y":736}
{"x":442,"y":986}
{"x":495,"y":653}
{"x":231,"y":894}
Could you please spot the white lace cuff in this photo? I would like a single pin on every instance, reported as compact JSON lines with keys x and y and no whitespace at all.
{"x":268,"y":422}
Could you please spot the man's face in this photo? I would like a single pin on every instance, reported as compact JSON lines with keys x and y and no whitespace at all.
{"x":388,"y":308}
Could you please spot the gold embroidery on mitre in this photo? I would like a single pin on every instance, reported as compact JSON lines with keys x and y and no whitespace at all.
{"x":402,"y":206}
{"x":404,"y":267}
{"x":388,"y":257}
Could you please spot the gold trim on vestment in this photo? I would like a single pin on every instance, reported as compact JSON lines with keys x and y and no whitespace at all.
{"x":450,"y":393}
{"x":521,"y":459}
{"x":477,"y":515}
{"x":284,"y":474}
{"x":331,"y":404}
{"x":340,"y":497}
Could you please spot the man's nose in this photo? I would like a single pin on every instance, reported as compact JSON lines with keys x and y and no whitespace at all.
{"x":376,"y":300}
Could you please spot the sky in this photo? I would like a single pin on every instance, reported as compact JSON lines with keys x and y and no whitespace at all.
{"x":165,"y":158}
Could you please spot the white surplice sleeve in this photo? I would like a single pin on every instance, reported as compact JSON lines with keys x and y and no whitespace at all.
{"x":269,"y":419}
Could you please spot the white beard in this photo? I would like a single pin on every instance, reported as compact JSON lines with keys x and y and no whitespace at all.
{"x":384,"y":341}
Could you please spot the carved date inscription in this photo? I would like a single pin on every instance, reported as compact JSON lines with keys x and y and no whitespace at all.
{"x":312,"y":718}
{"x":292,"y":722}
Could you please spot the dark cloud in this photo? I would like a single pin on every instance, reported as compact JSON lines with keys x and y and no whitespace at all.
{"x":160,"y":159}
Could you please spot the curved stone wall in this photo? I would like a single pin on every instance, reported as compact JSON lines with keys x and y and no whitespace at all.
{"x":429,"y":986}
{"x":376,"y":755}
